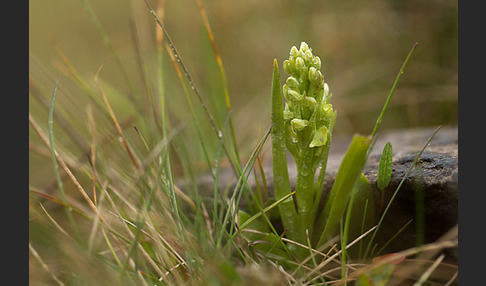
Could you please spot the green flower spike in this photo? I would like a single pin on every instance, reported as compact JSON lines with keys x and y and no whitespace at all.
{"x":307,"y":100}
{"x":308,"y":118}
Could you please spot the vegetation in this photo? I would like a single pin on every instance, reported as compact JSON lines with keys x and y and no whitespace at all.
{"x":116,"y":155}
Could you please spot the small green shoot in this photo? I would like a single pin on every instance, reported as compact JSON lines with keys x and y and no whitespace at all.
{"x":384,"y":170}
{"x":385,"y":167}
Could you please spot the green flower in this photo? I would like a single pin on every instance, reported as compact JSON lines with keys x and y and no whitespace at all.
{"x":298,"y":124}
{"x":307,"y":111}
{"x":320,"y":137}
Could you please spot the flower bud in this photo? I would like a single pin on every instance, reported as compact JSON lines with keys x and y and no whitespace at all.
{"x":326,"y":90}
{"x":319,"y":80}
{"x":308,"y":57}
{"x":287,"y":66}
{"x":298,"y":124}
{"x":327,"y":111}
{"x":304,"y":47}
{"x":317,"y":62}
{"x":294,"y":52}
{"x":313,"y":74}
{"x":292,"y":83}
{"x":308,"y":107}
{"x":299,"y":64}
{"x":310,"y":102}
{"x":294,"y":95}
{"x":288,"y":97}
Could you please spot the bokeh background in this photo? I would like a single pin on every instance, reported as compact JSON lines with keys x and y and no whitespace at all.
{"x":362,"y":45}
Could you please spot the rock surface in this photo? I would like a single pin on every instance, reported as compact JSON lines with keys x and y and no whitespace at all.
{"x":428,"y":196}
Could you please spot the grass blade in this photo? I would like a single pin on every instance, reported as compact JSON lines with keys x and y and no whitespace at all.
{"x":193,"y":112}
{"x":380,"y":117}
{"x":360,"y":213}
{"x":56,"y":166}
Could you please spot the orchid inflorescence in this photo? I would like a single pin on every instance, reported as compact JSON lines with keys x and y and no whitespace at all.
{"x":307,"y":112}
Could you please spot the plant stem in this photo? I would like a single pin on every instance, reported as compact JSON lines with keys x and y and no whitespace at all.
{"x":305,"y":190}
{"x":318,"y":187}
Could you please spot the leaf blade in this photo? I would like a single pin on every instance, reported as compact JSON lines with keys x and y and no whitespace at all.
{"x":385,"y":167}
{"x":279,"y":157}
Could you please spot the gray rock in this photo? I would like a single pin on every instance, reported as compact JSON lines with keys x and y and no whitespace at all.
{"x":428,"y":196}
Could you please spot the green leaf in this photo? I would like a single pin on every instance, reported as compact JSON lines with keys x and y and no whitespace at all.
{"x":247,"y":220}
{"x":349,"y":171}
{"x":279,"y":157}
{"x":257,"y":223}
{"x":385,"y":167}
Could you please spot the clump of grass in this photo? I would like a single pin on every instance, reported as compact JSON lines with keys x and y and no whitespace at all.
{"x":134,"y":225}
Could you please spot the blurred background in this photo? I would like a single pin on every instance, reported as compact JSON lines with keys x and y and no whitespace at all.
{"x":362,"y":45}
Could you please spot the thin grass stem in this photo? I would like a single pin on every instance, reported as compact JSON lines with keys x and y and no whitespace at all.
{"x":56,"y":166}
{"x":380,"y":117}
{"x":178,"y":58}
{"x":391,"y":239}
